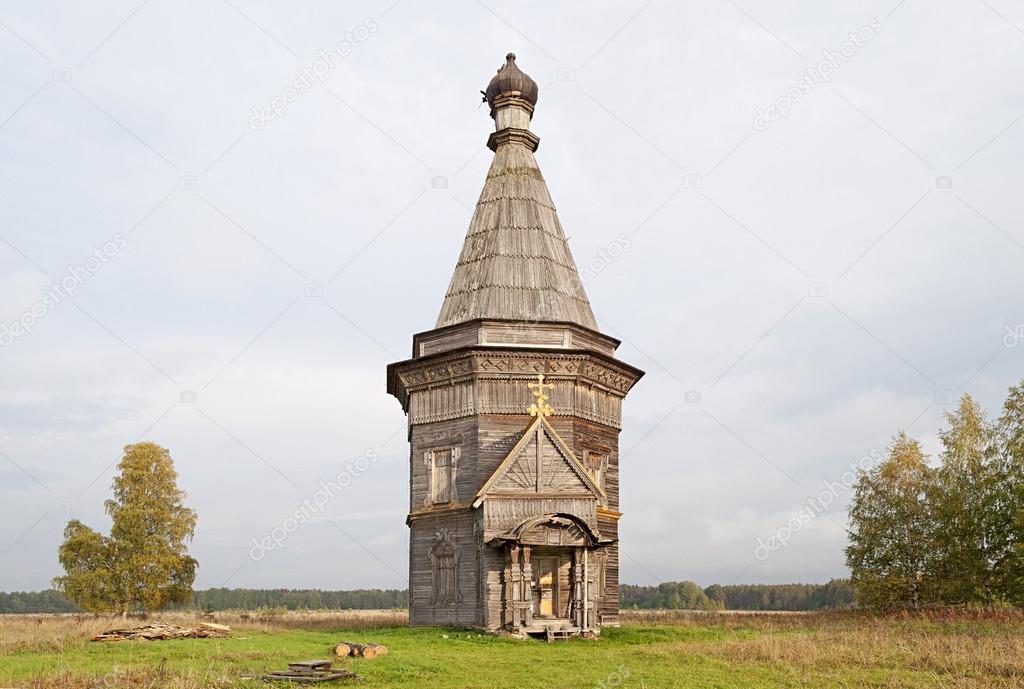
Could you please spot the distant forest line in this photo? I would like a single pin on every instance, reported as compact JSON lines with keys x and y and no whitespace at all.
{"x":669,"y":595}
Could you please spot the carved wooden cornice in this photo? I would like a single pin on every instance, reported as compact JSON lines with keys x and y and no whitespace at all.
{"x":450,"y":367}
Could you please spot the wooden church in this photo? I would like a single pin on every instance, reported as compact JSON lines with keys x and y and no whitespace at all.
{"x":514,"y":405}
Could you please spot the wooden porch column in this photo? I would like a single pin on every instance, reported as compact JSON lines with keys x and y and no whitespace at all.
{"x":527,"y":590}
{"x":512,"y":580}
{"x":578,"y":601}
{"x":586,"y":588}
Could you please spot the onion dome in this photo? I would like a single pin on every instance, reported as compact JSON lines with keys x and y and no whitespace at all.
{"x":511,"y":81}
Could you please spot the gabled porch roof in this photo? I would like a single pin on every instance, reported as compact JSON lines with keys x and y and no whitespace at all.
{"x":526,"y":473}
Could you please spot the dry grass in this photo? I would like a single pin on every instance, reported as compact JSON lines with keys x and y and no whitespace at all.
{"x":951,"y":650}
{"x":57,"y":633}
{"x":958,"y":648}
{"x":137,"y":679}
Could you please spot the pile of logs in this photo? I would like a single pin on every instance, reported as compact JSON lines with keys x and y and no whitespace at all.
{"x":357,"y":650}
{"x":158,"y":631}
{"x":310,"y":672}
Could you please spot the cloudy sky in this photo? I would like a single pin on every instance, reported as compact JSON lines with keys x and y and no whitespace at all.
{"x":809,"y":241}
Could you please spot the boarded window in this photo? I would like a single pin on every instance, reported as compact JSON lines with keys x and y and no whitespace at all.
{"x":441,"y":468}
{"x":445,"y":558}
{"x":442,"y":475}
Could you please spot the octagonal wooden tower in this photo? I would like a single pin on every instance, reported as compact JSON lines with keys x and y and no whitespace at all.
{"x":514,"y":402}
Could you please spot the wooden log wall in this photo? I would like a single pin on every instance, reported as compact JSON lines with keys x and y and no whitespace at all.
{"x":423,"y":610}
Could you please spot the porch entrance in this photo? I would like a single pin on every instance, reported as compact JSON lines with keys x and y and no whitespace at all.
{"x":546,"y":600}
{"x":548,"y":579}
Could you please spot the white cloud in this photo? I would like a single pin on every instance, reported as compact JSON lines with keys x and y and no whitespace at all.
{"x":201,"y":298}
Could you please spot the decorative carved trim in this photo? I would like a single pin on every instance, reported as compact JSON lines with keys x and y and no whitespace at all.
{"x":444,"y":371}
{"x":556,"y":532}
{"x":444,"y":565}
{"x":597,"y":369}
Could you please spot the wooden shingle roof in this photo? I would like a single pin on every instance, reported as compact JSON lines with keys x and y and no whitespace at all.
{"x":515,"y":263}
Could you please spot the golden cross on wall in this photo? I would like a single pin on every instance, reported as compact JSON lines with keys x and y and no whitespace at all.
{"x":540,"y":405}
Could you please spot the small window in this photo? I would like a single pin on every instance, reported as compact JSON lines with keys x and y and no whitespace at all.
{"x":441,"y":467}
{"x":442,"y":475}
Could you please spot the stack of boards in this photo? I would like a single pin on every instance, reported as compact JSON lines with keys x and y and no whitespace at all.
{"x":310,"y":672}
{"x":161,"y":632}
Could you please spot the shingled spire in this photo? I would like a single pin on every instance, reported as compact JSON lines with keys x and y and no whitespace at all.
{"x":515,"y":263}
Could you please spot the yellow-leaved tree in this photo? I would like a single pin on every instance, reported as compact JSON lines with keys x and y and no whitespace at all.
{"x":144,"y":562}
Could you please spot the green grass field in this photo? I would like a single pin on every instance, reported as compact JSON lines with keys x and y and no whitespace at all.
{"x":827,"y":650}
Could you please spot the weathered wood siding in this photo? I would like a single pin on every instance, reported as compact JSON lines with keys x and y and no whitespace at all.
{"x":484,"y":441}
{"x":608,"y":605}
{"x":604,"y":440}
{"x":502,"y":514}
{"x":566,"y":336}
{"x":492,"y":565}
{"x":588,"y":437}
{"x":423,"y":610}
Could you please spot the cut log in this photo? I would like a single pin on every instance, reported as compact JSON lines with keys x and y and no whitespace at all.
{"x":359,"y":650}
